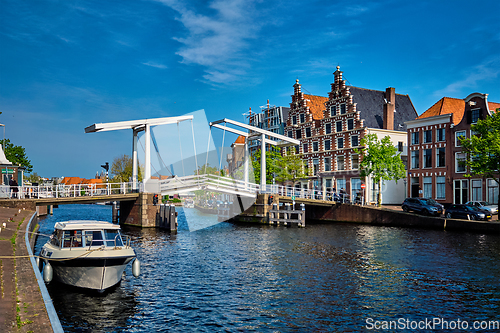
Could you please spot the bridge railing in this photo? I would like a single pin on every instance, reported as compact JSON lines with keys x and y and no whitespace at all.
{"x":209,"y":182}
{"x":293,"y":192}
{"x":64,"y":191}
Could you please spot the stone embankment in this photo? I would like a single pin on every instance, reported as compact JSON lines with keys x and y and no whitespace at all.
{"x":22,"y":308}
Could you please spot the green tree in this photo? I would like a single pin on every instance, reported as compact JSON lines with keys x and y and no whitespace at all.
{"x":273,"y":158}
{"x":34,"y":178}
{"x":207,"y":169}
{"x":291,"y":168}
{"x":380,"y":160}
{"x":121,"y":169}
{"x":483,"y":149}
{"x":17,"y":155}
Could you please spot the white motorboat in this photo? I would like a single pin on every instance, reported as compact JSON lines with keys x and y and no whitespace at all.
{"x":87,"y":254}
{"x":188,"y":203}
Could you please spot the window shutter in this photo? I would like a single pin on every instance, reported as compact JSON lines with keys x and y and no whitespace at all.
{"x":469,"y":116}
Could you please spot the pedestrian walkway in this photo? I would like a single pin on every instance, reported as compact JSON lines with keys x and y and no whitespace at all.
{"x":22,"y":308}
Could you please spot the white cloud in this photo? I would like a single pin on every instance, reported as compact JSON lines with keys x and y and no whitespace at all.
{"x":155,"y":65}
{"x":488,"y":70}
{"x":218,"y":38}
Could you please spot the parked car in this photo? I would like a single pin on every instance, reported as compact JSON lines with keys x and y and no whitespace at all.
{"x":422,"y":205}
{"x":467,"y":212}
{"x":493,"y":209}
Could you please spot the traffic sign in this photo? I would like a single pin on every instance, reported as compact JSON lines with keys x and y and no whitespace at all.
{"x":363,"y":186}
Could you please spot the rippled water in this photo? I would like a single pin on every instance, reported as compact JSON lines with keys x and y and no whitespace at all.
{"x":261,"y":278}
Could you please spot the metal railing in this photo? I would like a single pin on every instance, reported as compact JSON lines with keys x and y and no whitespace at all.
{"x":64,"y":191}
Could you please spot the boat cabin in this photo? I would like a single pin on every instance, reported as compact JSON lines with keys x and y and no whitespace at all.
{"x":79,"y":234}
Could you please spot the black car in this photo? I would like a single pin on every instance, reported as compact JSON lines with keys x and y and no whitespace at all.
{"x":423,"y":206}
{"x":467,"y":212}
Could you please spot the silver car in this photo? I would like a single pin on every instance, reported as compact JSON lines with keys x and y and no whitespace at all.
{"x":493,"y":209}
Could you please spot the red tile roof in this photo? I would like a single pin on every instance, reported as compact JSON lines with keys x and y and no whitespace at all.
{"x":493,"y":106}
{"x":446,"y":105}
{"x":71,"y":180}
{"x":240,"y":139}
{"x":316,"y":105}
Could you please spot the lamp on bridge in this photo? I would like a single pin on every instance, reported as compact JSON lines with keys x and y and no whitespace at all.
{"x":106,"y":167}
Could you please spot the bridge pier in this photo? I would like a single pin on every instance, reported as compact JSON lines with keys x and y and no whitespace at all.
{"x":145,"y":214}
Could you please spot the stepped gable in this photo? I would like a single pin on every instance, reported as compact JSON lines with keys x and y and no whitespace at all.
{"x":370,"y":104}
{"x":446,"y":105}
{"x":316,"y":105}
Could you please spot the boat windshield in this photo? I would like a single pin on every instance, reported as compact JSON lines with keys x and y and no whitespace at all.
{"x":72,"y":238}
{"x":93,"y":238}
{"x":113,"y":238}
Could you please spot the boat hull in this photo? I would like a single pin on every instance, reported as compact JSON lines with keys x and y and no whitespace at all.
{"x":98,"y":274}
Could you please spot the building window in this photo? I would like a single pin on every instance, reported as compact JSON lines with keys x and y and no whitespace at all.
{"x":315,"y":166}
{"x":354,"y":141}
{"x":440,"y":157}
{"x":475,"y":115}
{"x":294,"y":120}
{"x":298,"y":134}
{"x":427,"y":136}
{"x":342,"y":109}
{"x":458,"y":135}
{"x":477,"y":190}
{"x":327,"y":145}
{"x":354,"y":162}
{"x":302,"y":118}
{"x":427,"y":158}
{"x":315,"y":146}
{"x":339,"y":126}
{"x":460,"y":162}
{"x":328,"y":128}
{"x":415,"y":160}
{"x":333,"y":110}
{"x":440,"y":187}
{"x":328,"y":164}
{"x":355,"y":187}
{"x":350,"y":124}
{"x":340,"y":143}
{"x":340,"y":163}
{"x":341,"y":184}
{"x":415,"y":138}
{"x":328,"y":184}
{"x":305,"y":148}
{"x":492,"y":191}
{"x":308,"y":132}
{"x":440,"y":134}
{"x":296,"y":149}
{"x":290,"y":134}
{"x":400,"y":146}
{"x":427,"y":187}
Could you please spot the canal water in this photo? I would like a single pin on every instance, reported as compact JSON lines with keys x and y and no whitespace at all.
{"x":322,"y":278}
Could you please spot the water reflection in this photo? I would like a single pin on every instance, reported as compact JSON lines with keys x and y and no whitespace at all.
{"x":265,"y":278}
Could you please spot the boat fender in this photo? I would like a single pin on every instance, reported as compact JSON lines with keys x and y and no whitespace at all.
{"x":39,"y":263}
{"x":136,"y":267}
{"x":48,"y":272}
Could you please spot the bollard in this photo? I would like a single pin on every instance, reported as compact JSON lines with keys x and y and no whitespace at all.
{"x":173,"y":219}
{"x":163,"y":215}
{"x":115,"y":213}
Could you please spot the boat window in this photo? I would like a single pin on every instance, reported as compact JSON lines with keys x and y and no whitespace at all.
{"x":112,"y":236}
{"x":93,"y":238}
{"x":55,"y":238}
{"x":72,"y":238}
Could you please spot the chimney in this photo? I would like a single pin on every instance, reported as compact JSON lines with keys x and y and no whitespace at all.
{"x":389,"y":108}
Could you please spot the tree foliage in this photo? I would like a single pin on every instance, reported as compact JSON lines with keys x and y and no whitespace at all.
{"x":380,"y":160}
{"x":17,"y":155}
{"x":34,"y":178}
{"x":291,"y":168}
{"x":121,"y":169}
{"x":483,"y":149}
{"x":207,"y":169}
{"x":272,"y":165}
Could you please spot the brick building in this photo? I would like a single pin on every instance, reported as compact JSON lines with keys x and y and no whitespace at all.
{"x":435,"y":170}
{"x":330,"y":128}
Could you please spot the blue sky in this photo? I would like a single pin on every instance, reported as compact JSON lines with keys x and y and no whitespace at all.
{"x":65,"y":65}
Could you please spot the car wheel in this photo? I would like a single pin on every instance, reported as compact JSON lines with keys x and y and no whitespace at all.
{"x":405,"y":209}
{"x":472,"y":217}
{"x":425,"y":212}
{"x":448,"y":215}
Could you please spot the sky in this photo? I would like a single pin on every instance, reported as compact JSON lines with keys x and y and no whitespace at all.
{"x":65,"y":65}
